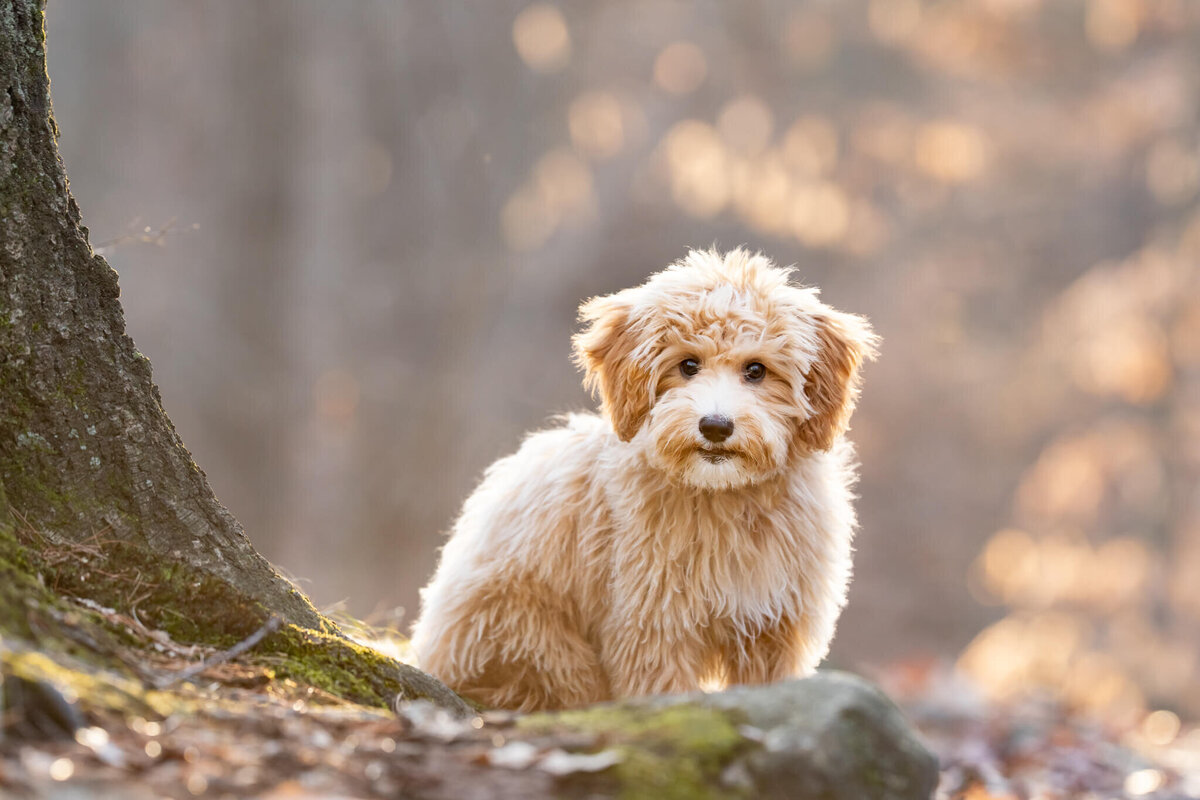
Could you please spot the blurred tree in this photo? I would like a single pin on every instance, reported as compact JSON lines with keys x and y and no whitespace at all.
{"x":255,"y":268}
{"x":85,"y":446}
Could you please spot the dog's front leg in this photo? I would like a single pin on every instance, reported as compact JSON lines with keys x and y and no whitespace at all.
{"x":651,"y":658}
{"x":775,"y":653}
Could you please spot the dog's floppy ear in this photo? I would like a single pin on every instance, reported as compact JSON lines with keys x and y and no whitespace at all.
{"x":832,"y":384}
{"x":606,"y":351}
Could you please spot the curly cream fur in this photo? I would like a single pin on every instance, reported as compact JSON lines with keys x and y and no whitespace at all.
{"x":609,"y":557}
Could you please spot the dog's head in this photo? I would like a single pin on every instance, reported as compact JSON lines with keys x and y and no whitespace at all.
{"x":721,"y":369}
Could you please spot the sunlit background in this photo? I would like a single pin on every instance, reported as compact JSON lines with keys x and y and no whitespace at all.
{"x":352,"y":238}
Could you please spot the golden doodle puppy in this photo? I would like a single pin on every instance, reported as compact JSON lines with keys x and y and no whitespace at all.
{"x":697,"y":530}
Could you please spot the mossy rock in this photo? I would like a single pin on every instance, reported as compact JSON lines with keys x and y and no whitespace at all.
{"x":673,"y":753}
{"x":832,"y":736}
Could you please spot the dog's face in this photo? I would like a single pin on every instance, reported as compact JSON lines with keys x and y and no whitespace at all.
{"x":720,"y":370}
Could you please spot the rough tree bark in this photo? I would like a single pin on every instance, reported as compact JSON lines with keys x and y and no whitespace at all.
{"x":86,"y":444}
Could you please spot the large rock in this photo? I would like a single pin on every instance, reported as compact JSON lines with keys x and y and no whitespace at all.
{"x":827,"y":737}
{"x":830,"y":736}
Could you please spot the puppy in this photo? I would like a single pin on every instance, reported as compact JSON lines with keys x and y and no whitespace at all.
{"x":697,"y":530}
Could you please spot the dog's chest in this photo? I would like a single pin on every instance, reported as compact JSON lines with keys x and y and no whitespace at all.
{"x":702,"y":564}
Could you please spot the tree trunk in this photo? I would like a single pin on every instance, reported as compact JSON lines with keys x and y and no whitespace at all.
{"x":86,"y":447}
{"x":99,"y":499}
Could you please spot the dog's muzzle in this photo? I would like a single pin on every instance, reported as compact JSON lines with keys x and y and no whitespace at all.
{"x":716,"y":455}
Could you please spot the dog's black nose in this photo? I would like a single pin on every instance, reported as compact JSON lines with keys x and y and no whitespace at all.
{"x":716,"y":428}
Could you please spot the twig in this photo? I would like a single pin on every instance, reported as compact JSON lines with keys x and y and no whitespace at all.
{"x":147,"y":235}
{"x":269,"y":627}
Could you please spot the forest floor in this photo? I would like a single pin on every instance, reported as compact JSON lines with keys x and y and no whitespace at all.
{"x":1037,"y":749}
{"x":96,"y":702}
{"x":233,"y":730}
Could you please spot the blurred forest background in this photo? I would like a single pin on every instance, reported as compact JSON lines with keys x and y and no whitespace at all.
{"x":352,"y":238}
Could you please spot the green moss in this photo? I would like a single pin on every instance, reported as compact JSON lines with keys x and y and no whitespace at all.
{"x":322,"y":660}
{"x":94,"y":690}
{"x":669,"y":753}
{"x":24,"y":594}
{"x":334,"y":664}
{"x":192,"y":606}
{"x":97,"y":689}
{"x":18,"y":586}
{"x":23,"y":483}
{"x":31,"y":472}
{"x":863,"y":739}
{"x":41,"y":568}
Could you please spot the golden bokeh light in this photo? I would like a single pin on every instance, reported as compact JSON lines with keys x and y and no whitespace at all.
{"x":196,"y":784}
{"x":541,"y":37}
{"x":1062,"y":561}
{"x":596,"y":125}
{"x":1013,"y":654}
{"x":1066,"y":482}
{"x":680,"y":68}
{"x":1097,"y":682}
{"x":894,"y":21}
{"x":61,"y":769}
{"x":1012,"y":9}
{"x":810,"y":146}
{"x":559,"y":189}
{"x":951,"y":152}
{"x":1129,"y":359}
{"x":699,"y":168}
{"x":564,"y":182}
{"x":954,"y":38}
{"x":1112,"y":25}
{"x":1108,"y":330}
{"x":1058,"y":570}
{"x":820,"y":213}
{"x":1009,"y":560}
{"x":1184,"y":582}
{"x":1143,"y":781}
{"x":746,"y":124}
{"x":1050,"y":650}
{"x":784,"y":188}
{"x":1118,"y":573}
{"x":1161,"y":727}
{"x":762,"y":190}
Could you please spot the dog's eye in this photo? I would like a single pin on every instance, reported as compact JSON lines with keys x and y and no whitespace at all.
{"x":754,"y":372}
{"x":689,"y":367}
